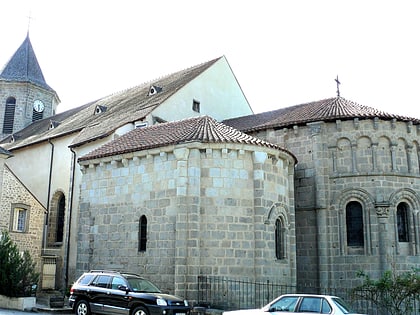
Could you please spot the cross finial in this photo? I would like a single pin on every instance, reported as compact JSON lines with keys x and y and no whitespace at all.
{"x":338,"y":86}
{"x":29,"y":20}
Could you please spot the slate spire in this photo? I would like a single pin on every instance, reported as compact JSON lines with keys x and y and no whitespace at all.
{"x":24,"y":67}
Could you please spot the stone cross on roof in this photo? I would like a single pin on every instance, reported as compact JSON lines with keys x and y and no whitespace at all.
{"x":338,"y":86}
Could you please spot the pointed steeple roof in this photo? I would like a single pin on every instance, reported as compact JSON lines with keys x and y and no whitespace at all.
{"x":24,"y":67}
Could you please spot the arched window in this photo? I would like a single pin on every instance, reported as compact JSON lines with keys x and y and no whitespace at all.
{"x":142,"y":233}
{"x":9,"y":115}
{"x":402,"y":222}
{"x":60,"y":219}
{"x":280,"y":239}
{"x":354,"y":224}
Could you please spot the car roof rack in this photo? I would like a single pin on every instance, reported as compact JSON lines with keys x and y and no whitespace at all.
{"x":103,"y":271}
{"x":131,"y":274}
{"x":116,"y":272}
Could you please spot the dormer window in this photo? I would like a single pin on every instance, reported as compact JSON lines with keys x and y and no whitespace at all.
{"x":158,"y":120}
{"x":154,"y":89}
{"x":141,"y":124}
{"x":196,"y":106}
{"x":53,"y":124}
{"x":100,"y":109}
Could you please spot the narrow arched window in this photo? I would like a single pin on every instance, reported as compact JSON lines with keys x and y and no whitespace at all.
{"x":354,"y":224}
{"x":60,"y":219}
{"x":402,"y":222}
{"x":280,"y":239}
{"x":142,"y":233}
{"x":9,"y":115}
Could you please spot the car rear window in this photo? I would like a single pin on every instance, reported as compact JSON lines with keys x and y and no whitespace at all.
{"x":85,"y":279}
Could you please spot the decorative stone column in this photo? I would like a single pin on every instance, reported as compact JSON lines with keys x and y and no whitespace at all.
{"x":182,"y":221}
{"x":409,"y":149}
{"x":382,"y":211}
{"x":354,"y":157}
{"x":375,"y":156}
{"x":393,"y":157}
{"x":321,"y":160}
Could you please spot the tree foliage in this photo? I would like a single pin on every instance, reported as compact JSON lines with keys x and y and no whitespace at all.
{"x":17,"y":272}
{"x":392,"y":293}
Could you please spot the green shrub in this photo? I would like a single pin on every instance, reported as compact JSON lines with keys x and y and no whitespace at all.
{"x":17,"y":273}
{"x":392,"y":293}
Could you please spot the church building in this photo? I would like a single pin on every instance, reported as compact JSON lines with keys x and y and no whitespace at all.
{"x":177,"y":178}
{"x":43,"y":155}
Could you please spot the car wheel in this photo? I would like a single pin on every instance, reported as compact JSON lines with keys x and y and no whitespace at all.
{"x":140,"y":311}
{"x":82,"y":308}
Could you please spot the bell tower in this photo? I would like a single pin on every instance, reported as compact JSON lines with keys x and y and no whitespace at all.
{"x":25,"y":97}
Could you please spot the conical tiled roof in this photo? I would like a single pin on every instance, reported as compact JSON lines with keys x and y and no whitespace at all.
{"x":198,"y":129}
{"x":323,"y":110}
{"x":24,"y":67}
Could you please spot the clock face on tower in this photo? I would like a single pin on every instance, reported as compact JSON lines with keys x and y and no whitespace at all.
{"x":38,"y":106}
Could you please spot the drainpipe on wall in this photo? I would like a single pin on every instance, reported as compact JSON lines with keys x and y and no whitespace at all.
{"x":48,"y":196}
{"x":69,"y":216}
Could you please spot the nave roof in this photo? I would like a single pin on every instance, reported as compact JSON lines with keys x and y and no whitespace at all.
{"x":127,"y":106}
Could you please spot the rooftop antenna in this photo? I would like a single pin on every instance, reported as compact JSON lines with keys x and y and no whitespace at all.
{"x":338,"y":86}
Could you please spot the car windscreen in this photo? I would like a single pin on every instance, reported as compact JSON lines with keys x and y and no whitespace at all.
{"x":142,"y":285}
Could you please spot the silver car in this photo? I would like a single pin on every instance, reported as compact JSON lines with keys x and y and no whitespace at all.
{"x":302,"y":304}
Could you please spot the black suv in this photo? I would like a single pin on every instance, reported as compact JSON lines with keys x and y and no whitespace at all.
{"x":110,"y":292}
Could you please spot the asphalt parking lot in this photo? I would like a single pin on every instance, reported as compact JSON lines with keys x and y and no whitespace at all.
{"x":34,"y":312}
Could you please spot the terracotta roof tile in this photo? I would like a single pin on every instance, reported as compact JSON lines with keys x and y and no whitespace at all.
{"x":327,"y":109}
{"x":198,"y":129}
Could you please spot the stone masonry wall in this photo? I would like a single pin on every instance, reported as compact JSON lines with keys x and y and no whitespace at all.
{"x":14,"y":192}
{"x":210,"y":210}
{"x":373,"y":162}
{"x":299,"y":141}
{"x":25,"y":94}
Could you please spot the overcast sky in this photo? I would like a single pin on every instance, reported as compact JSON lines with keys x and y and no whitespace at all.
{"x":283,"y":53}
